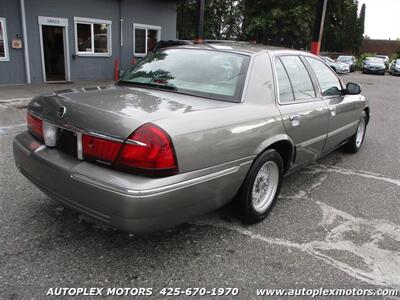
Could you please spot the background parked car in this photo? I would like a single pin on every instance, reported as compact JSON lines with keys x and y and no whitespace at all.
{"x":395,"y":67}
{"x":374,"y":65}
{"x":349,"y":60}
{"x":338,"y":67}
{"x":385,"y":59}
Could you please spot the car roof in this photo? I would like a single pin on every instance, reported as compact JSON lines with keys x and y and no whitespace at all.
{"x":238,"y":47}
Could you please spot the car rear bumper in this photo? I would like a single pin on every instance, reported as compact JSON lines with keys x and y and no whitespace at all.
{"x":128,"y":202}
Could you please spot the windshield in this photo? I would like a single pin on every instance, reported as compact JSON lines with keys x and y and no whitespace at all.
{"x":329,"y":59}
{"x":397,"y":62}
{"x":374,"y":59}
{"x":344,"y":59}
{"x":212,"y":74}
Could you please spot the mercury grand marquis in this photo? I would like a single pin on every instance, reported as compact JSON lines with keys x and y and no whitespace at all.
{"x":187,"y":130}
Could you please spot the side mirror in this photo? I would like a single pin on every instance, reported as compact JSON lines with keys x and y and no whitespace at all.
{"x":353,"y":88}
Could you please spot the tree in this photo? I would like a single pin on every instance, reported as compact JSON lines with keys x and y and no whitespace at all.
{"x":275,"y":22}
{"x":286,"y":23}
{"x":222,"y":20}
{"x":343,"y":29}
{"x":186,"y":19}
{"x":360,"y":28}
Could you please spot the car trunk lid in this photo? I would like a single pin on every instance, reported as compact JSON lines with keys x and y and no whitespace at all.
{"x":115,"y":111}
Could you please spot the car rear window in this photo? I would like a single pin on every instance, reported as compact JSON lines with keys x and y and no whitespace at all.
{"x":212,"y":74}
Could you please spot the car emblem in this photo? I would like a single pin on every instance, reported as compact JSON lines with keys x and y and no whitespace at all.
{"x":61,"y":112}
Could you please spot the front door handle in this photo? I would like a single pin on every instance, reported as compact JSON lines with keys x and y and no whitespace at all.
{"x":332,"y":109}
{"x":295,"y":119}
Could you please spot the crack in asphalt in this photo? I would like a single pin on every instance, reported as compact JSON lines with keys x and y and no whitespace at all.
{"x":11,"y":129}
{"x":347,"y":235}
{"x":365,"y":174}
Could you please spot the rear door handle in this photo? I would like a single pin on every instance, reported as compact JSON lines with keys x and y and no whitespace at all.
{"x":332,"y":109}
{"x":295,"y":119}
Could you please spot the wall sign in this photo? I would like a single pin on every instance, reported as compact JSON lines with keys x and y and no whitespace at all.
{"x":53,"y":21}
{"x":16,"y":43}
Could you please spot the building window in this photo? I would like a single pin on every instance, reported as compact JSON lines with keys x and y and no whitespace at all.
{"x":92,"y":37}
{"x":3,"y":40}
{"x":145,"y":38}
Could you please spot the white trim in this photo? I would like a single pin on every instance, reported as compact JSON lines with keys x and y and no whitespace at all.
{"x":145,"y":27}
{"x":4,"y":28}
{"x":91,"y":22}
{"x":60,"y":22}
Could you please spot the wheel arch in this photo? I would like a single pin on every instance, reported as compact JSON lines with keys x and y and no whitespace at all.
{"x":367,"y":111}
{"x":284,"y":145}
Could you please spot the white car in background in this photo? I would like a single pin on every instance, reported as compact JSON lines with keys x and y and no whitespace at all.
{"x":338,"y":67}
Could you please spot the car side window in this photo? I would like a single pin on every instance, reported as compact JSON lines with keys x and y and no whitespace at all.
{"x":303,"y":88}
{"x":284,"y":85}
{"x":329,"y":83}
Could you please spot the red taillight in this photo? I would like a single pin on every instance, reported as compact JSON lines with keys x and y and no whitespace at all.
{"x":149,"y":150}
{"x":99,"y":149}
{"x":35,"y":126}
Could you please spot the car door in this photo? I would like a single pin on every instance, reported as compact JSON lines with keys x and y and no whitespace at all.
{"x":344,"y":110}
{"x":305,"y":116}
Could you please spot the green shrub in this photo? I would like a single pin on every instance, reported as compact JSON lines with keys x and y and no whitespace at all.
{"x":395,"y":55}
{"x":361,"y":58}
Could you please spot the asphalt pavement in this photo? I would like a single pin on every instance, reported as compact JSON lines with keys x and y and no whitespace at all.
{"x":336,"y":225}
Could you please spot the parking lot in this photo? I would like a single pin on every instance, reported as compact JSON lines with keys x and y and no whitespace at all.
{"x":336,"y":225}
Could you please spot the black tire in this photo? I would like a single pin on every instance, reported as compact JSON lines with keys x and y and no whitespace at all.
{"x":353,"y":146}
{"x":247,"y":211}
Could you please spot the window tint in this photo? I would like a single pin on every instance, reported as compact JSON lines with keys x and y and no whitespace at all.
{"x":146,"y":38}
{"x":100,"y":38}
{"x":151,"y":39}
{"x":84,"y":33}
{"x":140,"y":42}
{"x":329,"y":83}
{"x":301,"y":82}
{"x":93,"y":37}
{"x":212,"y":74}
{"x":285,"y":88}
{"x":3,"y":43}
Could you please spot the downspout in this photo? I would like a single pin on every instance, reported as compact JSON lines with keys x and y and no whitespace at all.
{"x":25,"y":36}
{"x":118,"y":60}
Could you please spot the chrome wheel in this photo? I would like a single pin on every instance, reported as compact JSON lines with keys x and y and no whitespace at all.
{"x":360,"y":132}
{"x":265,"y":186}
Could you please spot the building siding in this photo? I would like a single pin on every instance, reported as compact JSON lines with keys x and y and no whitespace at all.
{"x":12,"y":71}
{"x":383,"y":47}
{"x":154,"y":12}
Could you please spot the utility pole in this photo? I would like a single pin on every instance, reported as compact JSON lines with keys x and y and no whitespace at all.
{"x":318,"y":26}
{"x":200,"y":21}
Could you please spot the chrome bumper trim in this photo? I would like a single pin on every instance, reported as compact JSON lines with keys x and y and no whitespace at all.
{"x":158,"y":190}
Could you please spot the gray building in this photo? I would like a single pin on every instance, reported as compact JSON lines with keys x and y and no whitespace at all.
{"x":66,"y":40}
